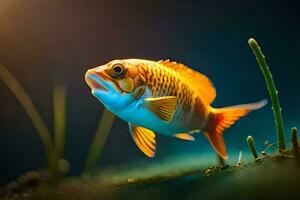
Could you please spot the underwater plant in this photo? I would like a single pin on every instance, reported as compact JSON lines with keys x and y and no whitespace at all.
{"x":272,"y":91}
{"x":295,"y":143}
{"x":54,"y":152}
{"x":98,"y":141}
{"x":59,"y":110}
{"x":250,"y":142}
{"x":239,"y":162}
{"x":54,"y":148}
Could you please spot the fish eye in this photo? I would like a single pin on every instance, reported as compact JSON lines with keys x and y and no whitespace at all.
{"x":118,"y":69}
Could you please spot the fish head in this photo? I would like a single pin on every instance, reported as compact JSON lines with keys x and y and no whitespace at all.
{"x":116,"y":84}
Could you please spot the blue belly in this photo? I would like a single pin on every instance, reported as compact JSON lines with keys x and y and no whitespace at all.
{"x":140,"y":116}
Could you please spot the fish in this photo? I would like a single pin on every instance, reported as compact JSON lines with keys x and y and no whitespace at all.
{"x":164,"y":97}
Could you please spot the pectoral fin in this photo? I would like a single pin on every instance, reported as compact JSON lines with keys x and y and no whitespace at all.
{"x":144,"y":139}
{"x":185,"y":136}
{"x":162,"y":107}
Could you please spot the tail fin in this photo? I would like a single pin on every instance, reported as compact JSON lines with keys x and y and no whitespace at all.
{"x":223,"y":118}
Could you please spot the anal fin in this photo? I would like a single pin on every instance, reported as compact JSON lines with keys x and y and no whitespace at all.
{"x":184,"y":136}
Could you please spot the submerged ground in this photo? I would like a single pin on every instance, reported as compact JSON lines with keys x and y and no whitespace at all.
{"x":276,"y":177}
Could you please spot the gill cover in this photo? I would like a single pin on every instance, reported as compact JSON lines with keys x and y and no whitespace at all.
{"x":119,"y":83}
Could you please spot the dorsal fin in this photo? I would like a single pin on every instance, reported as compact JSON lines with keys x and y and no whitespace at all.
{"x":200,"y":82}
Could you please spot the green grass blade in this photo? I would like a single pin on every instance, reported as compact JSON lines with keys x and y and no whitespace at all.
{"x":272,"y":91}
{"x":15,"y":87}
{"x":294,"y":133}
{"x":59,"y":109}
{"x":99,"y":140}
{"x":251,"y":145}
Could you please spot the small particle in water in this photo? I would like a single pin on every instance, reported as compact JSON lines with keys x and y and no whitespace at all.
{"x":266,"y":143}
{"x":130,"y":180}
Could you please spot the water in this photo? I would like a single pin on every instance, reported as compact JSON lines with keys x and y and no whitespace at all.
{"x":55,"y":42}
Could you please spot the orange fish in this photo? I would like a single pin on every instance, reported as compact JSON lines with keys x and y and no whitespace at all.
{"x":163,"y":97}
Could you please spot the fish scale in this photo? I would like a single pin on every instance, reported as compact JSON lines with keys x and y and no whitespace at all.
{"x":168,"y":82}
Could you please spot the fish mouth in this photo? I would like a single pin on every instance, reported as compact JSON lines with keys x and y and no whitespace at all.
{"x":94,"y":81}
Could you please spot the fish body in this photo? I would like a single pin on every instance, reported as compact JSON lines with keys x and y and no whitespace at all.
{"x":162,"y":81}
{"x":163,"y":97}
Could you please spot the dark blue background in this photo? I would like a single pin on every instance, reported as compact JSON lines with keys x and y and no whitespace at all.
{"x":45,"y":43}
